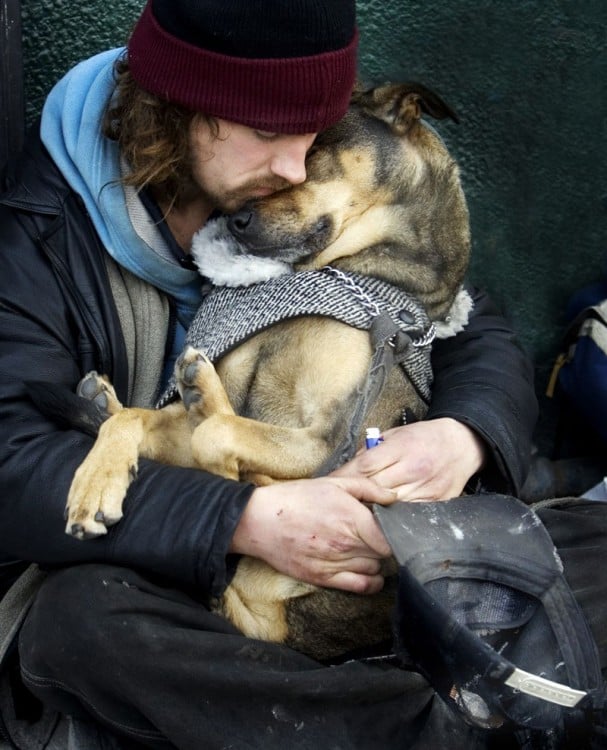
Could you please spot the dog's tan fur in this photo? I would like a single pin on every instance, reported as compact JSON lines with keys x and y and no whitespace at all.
{"x":383,"y":197}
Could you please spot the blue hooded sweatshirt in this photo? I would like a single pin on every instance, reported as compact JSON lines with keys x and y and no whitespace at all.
{"x":71,"y":130}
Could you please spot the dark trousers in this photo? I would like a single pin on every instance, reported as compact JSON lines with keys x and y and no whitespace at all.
{"x":153,"y":665}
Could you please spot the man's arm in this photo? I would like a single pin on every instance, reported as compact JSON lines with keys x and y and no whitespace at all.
{"x":484,"y":379}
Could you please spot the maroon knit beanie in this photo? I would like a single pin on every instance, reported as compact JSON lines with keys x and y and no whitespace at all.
{"x":285,"y":66}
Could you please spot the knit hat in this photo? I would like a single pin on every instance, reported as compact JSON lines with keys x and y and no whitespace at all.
{"x":285,"y":66}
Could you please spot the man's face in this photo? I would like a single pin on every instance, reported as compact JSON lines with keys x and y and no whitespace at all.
{"x":241,"y":164}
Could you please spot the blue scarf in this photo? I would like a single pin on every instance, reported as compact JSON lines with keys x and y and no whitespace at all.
{"x":72,"y":132}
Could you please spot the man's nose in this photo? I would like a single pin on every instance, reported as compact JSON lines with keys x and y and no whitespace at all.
{"x":289,"y":161}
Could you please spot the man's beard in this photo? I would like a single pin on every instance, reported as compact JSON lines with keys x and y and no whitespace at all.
{"x":231,"y":201}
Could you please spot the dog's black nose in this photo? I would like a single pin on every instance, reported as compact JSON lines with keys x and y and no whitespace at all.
{"x":239,"y":222}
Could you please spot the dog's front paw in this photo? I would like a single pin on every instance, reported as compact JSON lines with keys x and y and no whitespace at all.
{"x":199,"y":385}
{"x":95,"y":499}
{"x":98,"y":389}
{"x":101,"y":481}
{"x":188,"y":375}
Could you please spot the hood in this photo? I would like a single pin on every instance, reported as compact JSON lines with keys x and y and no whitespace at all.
{"x":90,"y":162}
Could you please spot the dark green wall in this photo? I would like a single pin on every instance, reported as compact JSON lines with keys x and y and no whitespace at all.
{"x":528,"y":80}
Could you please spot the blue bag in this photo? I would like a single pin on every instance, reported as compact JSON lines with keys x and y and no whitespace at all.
{"x":581,"y":369}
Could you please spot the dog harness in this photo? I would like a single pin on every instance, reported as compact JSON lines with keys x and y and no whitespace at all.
{"x":401,"y":332}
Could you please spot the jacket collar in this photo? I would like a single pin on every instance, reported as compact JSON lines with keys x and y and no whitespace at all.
{"x":33,"y":183}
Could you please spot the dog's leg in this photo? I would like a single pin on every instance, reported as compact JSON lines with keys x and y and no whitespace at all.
{"x":100,"y":483}
{"x":234,"y":447}
{"x":203,"y":396}
{"x":237,"y":447}
{"x":256,"y":600}
{"x":200,"y":387}
{"x":271,"y":606}
{"x":102,"y":480}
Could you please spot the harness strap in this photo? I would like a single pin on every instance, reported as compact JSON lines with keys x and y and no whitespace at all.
{"x":390,"y":346}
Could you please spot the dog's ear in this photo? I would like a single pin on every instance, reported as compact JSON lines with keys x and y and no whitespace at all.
{"x":401,"y":105}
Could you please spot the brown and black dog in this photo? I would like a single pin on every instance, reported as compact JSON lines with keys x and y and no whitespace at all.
{"x":382,"y":198}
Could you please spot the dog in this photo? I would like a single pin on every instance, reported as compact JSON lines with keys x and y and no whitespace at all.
{"x":382,"y":200}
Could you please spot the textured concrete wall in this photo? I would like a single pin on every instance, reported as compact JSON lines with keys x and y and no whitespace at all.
{"x":528,"y":80}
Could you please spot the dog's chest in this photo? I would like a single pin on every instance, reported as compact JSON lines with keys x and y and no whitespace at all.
{"x":231,"y":317}
{"x":297,"y":372}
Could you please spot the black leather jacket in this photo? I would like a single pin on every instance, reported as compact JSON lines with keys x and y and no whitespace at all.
{"x":58,"y":321}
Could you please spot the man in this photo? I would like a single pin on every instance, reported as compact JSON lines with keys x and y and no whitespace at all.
{"x":214,"y":102}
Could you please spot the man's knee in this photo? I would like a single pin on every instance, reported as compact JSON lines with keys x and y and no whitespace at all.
{"x":73,"y":619}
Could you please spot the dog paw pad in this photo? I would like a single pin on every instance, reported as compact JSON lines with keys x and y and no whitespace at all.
{"x":91,"y":385}
{"x":190,"y":396}
{"x":83,"y":532}
{"x":188,"y":374}
{"x":88,"y":387}
{"x":78,"y":531}
{"x":101,"y":400}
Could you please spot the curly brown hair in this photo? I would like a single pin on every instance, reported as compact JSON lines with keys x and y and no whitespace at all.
{"x":153,"y":135}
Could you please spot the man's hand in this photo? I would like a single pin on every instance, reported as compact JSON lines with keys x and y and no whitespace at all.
{"x":318,"y":530}
{"x":431,"y":460}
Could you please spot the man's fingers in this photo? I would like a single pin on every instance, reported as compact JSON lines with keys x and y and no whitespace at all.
{"x":367,"y":566}
{"x":356,"y":583}
{"x":366,"y":489}
{"x":381,"y":464}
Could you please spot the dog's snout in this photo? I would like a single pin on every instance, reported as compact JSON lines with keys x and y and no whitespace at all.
{"x":239,"y":222}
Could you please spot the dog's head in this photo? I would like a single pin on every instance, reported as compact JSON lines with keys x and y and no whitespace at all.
{"x":382,"y":197}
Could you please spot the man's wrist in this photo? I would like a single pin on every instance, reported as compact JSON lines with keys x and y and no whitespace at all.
{"x":473,"y":447}
{"x":245,"y":540}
